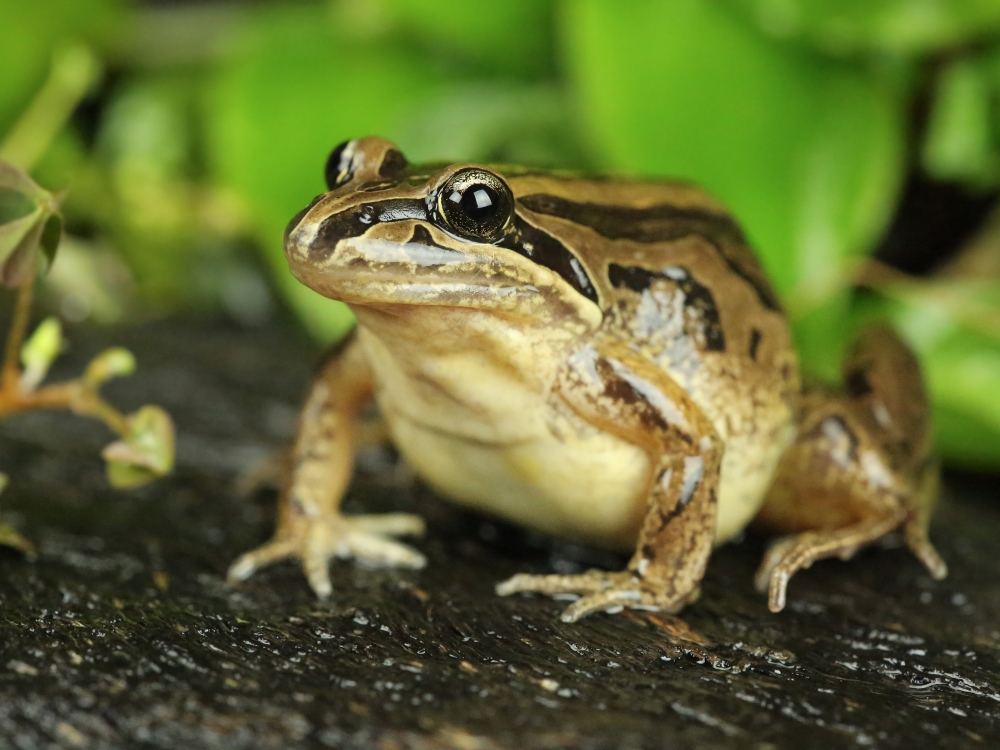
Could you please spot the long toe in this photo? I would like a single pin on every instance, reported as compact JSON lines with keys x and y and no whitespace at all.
{"x":249,"y":563}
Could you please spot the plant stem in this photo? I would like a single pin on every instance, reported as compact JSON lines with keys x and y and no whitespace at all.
{"x":11,"y":374}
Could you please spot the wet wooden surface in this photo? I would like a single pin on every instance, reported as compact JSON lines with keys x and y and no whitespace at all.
{"x":123,"y":633}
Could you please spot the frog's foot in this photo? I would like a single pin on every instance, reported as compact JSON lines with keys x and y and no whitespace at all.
{"x":316,"y":540}
{"x":791,"y":554}
{"x":600,"y":591}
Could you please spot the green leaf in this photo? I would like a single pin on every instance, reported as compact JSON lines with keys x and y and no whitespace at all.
{"x":116,"y":362}
{"x":15,"y":268}
{"x":146,"y":453}
{"x":806,"y":151}
{"x":9,"y":537}
{"x":514,"y":36}
{"x":12,"y":233}
{"x":14,"y":205}
{"x":39,"y":352}
{"x":18,"y":181}
{"x":959,"y":144}
{"x":22,"y":237}
{"x":902,"y":27}
{"x":51,"y":236}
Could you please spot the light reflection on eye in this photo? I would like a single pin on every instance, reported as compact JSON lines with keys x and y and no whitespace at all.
{"x":482,"y":199}
{"x":455,"y":197}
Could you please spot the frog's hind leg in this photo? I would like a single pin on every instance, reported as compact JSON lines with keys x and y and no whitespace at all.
{"x":860,"y":469}
{"x":310,"y":525}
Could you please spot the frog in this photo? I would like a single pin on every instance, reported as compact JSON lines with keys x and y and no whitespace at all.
{"x":600,"y":359}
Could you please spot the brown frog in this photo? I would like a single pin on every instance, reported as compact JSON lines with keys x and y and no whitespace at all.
{"x":598,"y":359}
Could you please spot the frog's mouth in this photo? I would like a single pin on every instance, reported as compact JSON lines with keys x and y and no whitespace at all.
{"x":378,"y":271}
{"x":388,"y":253}
{"x":403,"y":262}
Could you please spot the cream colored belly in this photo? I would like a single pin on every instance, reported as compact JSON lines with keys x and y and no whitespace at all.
{"x":588,"y":488}
{"x":585,"y":488}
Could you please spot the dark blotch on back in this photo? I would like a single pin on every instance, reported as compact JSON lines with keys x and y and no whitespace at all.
{"x":664,"y":223}
{"x":696,"y":297}
{"x":754,"y":343}
{"x":857,"y":384}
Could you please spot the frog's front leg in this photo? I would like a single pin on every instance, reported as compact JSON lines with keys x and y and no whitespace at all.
{"x":310,"y":525}
{"x":616,"y":390}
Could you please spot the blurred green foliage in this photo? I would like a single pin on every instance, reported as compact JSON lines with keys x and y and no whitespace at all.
{"x":213,"y":121}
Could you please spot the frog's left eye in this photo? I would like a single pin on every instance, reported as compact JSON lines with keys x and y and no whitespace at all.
{"x":475,"y":204}
{"x":340,"y":165}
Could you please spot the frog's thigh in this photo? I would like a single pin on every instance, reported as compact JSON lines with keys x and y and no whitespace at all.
{"x":629,"y":397}
{"x":835,"y":492}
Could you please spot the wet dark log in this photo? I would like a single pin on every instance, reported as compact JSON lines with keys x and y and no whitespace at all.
{"x":124,"y":634}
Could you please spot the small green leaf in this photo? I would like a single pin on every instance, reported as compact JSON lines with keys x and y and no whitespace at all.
{"x":12,"y":178}
{"x":12,"y":233}
{"x":23,"y":237}
{"x":9,"y":537}
{"x":146,"y":453}
{"x":959,"y":143}
{"x":39,"y":352}
{"x":16,"y":267}
{"x":14,"y":205}
{"x":116,"y":362}
{"x":51,"y":235}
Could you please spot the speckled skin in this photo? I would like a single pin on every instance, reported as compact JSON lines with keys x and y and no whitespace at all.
{"x":609,"y":365}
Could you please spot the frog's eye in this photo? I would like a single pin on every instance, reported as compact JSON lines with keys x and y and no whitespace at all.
{"x":475,"y":204}
{"x":340,"y":165}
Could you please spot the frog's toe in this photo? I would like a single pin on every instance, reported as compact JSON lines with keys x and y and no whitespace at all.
{"x":390,"y":524}
{"x":555,"y":585}
{"x":316,"y":542}
{"x":250,"y":562}
{"x":600,"y":591}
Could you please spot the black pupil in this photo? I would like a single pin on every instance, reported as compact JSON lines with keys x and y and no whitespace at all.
{"x":480,"y":202}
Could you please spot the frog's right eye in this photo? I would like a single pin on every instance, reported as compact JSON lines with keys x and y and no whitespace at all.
{"x":340,"y":165}
{"x":476,"y":205}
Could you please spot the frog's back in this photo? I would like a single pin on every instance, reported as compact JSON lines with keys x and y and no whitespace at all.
{"x":676,"y":280}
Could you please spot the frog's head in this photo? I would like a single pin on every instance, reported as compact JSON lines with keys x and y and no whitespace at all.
{"x":388,"y":233}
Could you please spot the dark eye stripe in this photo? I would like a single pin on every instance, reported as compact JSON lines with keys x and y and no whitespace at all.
{"x":664,"y":223}
{"x":546,"y":250}
{"x":524,"y":238}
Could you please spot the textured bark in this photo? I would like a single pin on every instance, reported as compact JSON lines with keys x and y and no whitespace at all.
{"x":123,"y":633}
